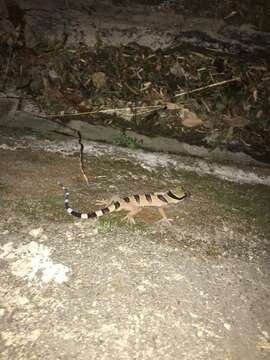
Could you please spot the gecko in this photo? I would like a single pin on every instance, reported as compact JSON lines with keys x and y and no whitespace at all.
{"x":133,"y":204}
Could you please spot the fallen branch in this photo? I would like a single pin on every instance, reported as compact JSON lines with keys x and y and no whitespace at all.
{"x":207,"y":87}
{"x":81,"y":158}
{"x":152,"y":107}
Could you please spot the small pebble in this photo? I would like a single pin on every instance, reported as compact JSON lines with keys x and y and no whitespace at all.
{"x":36,"y":232}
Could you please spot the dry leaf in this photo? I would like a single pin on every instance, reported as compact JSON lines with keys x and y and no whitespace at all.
{"x":255,"y":95}
{"x":259,"y":114}
{"x":146,"y":85}
{"x":236,"y":121}
{"x":177,"y":70}
{"x":99,"y":79}
{"x":190,"y":119}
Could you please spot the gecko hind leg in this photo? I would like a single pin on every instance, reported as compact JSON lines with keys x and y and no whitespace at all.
{"x":130,"y":216}
{"x":107,"y":202}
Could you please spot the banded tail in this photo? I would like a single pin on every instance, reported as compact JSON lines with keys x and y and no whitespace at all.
{"x":91,"y":215}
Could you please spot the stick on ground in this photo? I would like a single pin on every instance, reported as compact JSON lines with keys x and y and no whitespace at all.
{"x":206,"y":87}
{"x":81,"y":158}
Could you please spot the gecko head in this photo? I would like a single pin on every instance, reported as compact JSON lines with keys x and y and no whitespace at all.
{"x":180,"y":192}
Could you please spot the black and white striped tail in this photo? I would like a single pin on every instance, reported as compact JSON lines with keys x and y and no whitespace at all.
{"x":90,"y":215}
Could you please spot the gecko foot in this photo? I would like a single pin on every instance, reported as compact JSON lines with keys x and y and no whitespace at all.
{"x":107,"y":202}
{"x":129,"y":219}
{"x":165,"y":221}
{"x":102,"y":202}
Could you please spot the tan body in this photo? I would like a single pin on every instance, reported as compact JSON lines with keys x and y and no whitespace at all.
{"x":133,"y":204}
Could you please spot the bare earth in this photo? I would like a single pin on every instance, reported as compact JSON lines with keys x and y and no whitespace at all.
{"x":198,"y":289}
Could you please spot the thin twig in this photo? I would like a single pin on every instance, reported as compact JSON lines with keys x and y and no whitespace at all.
{"x":152,"y":107}
{"x":81,"y":158}
{"x":206,"y":87}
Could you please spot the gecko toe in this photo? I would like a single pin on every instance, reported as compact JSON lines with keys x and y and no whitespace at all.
{"x":102,"y":202}
{"x":165,"y":221}
{"x":129,"y":219}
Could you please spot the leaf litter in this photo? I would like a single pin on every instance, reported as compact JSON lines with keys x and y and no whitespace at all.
{"x":187,"y":95}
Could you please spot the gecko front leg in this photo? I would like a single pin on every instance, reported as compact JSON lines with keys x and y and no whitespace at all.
{"x":164,"y":216}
